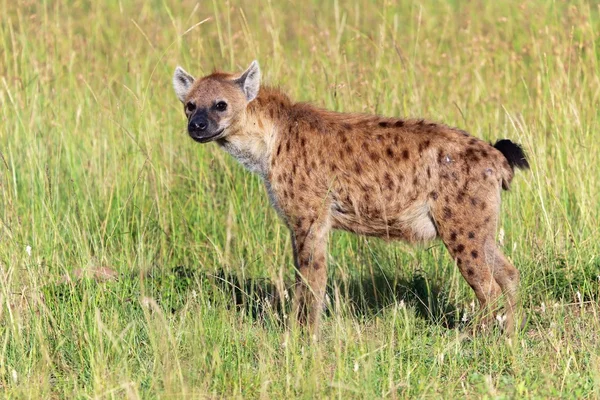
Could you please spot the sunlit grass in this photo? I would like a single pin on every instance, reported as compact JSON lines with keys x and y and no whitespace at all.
{"x":97,"y":174}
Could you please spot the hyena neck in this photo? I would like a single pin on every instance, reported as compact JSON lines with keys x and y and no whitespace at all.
{"x":252,"y":138}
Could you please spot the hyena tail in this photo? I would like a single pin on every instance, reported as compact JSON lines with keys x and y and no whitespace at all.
{"x":515,"y":156}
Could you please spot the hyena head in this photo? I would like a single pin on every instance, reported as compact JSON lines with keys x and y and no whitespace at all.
{"x":214,"y":103}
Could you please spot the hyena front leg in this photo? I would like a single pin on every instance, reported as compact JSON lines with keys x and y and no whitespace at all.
{"x":309,"y":239}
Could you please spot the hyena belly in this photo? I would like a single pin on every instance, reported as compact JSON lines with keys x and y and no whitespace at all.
{"x":413,"y":224}
{"x":390,"y":204}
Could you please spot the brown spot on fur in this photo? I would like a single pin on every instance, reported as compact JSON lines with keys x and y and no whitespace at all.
{"x":347,"y":126}
{"x":471,"y":235}
{"x":460,"y":248}
{"x":287,"y":146}
{"x":453,"y":236}
{"x":384,"y":124}
{"x":389,"y":182}
{"x":447,"y":213}
{"x":440,"y":156}
{"x":357,"y":168}
{"x":349,"y":150}
{"x":470,"y":155}
{"x":459,"y":260}
{"x":467,"y":168}
{"x":303,"y":142}
{"x":470,"y":272}
{"x":428,"y":172}
{"x":474,"y":201}
{"x":474,"y":254}
{"x":374,"y":156}
{"x":399,"y":123}
{"x":424,"y":145}
{"x":433,"y":195}
{"x":279,"y":149}
{"x":390,"y":152}
{"x":460,"y":197}
{"x":405,"y":154}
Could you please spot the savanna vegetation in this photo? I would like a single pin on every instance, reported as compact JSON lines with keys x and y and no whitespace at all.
{"x":135,"y":263}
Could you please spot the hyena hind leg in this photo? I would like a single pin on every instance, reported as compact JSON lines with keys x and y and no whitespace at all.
{"x":480,"y":278}
{"x":488,"y":272}
{"x":468,"y":244}
{"x":508,"y":278}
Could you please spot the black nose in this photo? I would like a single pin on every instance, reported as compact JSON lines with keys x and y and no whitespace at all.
{"x":198,"y":125}
{"x":198,"y":122}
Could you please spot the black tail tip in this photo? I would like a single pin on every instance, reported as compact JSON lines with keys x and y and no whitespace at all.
{"x":513,"y":153}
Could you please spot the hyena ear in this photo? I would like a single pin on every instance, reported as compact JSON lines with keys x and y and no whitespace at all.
{"x":182,"y":82}
{"x":249,"y":81}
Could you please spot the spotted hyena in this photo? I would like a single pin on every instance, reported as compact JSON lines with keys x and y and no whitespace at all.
{"x":392,"y":178}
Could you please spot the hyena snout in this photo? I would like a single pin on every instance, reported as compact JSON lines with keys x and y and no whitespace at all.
{"x":201,"y":128}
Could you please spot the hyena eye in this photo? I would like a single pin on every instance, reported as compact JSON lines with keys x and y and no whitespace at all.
{"x":221,"y":106}
{"x":190,"y":106}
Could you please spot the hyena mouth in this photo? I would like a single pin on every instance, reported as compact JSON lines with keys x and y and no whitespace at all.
{"x":205,"y":139}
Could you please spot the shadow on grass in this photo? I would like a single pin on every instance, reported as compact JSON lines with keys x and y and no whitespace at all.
{"x":260,"y":298}
{"x":362,"y":297}
{"x":371,"y":294}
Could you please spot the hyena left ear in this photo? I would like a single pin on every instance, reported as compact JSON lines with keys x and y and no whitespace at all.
{"x":182,"y":82}
{"x":249,"y":81}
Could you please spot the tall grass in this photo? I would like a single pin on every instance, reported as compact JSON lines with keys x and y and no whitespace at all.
{"x":97,"y":174}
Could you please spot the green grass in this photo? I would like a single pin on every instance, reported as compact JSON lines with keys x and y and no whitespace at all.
{"x":96,"y":170}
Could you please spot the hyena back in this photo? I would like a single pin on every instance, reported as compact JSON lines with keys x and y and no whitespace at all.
{"x":391,"y":178}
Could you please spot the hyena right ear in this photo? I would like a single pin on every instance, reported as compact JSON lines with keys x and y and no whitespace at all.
{"x":182,"y":82}
{"x":249,"y":81}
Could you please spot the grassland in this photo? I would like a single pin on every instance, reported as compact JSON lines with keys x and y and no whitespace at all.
{"x":98,"y":175}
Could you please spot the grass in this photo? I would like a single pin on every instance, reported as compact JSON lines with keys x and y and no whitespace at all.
{"x":96,"y":171}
